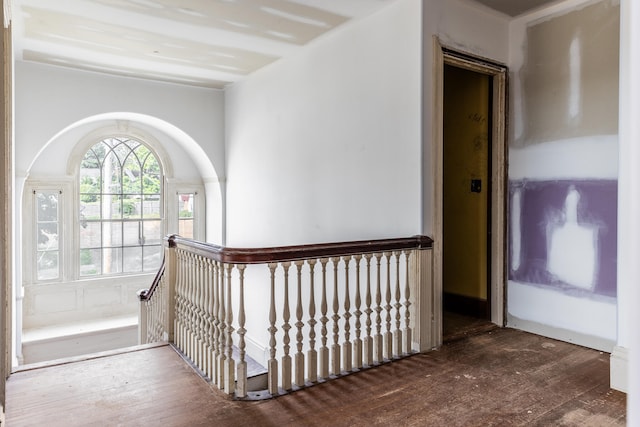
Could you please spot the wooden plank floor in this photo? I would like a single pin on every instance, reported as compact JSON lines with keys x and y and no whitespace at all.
{"x":498,"y":378}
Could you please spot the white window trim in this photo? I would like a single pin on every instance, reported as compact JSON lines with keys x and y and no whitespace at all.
{"x":173,"y":189}
{"x":66,"y":232}
{"x":163,"y":195}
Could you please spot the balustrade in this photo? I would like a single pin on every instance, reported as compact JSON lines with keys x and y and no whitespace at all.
{"x":308,"y":313}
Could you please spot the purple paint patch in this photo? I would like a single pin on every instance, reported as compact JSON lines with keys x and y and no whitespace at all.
{"x":542,"y":205}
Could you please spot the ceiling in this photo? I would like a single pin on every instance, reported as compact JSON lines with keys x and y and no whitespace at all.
{"x":208,"y":43}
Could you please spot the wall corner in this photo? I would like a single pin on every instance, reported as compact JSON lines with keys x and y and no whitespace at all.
{"x":618,"y":369}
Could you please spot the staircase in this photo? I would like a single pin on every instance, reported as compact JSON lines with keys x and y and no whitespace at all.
{"x":310,"y":313}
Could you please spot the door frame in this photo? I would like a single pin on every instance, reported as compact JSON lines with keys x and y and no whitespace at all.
{"x":498,"y":201}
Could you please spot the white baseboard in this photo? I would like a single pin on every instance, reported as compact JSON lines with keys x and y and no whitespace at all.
{"x":256,"y":351}
{"x":560,"y":334}
{"x":619,"y":369}
{"x":59,"y":347}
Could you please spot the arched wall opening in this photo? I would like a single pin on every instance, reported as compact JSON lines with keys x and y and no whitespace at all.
{"x":184,"y":162}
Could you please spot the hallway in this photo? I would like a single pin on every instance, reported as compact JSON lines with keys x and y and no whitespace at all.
{"x":502,"y":377}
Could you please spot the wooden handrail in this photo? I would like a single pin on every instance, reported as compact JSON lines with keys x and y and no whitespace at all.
{"x":354,"y":305}
{"x":292,"y":253}
{"x":145,"y":294}
{"x":283,"y":253}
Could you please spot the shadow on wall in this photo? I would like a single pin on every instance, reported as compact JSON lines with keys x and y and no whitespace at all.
{"x":564,"y":235}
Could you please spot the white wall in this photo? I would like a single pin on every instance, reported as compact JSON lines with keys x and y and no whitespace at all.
{"x":48,"y":99}
{"x":466,"y":27}
{"x":58,"y":108}
{"x":325,"y":146}
{"x":625,"y":359}
{"x":334,"y":143}
{"x":557,"y":151}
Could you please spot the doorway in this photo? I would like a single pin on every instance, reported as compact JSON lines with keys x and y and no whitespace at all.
{"x":470,"y":192}
{"x":466,"y":192}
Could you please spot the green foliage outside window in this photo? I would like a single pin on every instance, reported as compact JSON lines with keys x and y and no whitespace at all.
{"x":120,"y":180}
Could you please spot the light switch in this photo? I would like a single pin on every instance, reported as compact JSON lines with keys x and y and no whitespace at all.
{"x":476,"y":185}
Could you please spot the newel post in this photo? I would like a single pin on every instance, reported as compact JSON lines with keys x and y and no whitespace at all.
{"x":142,"y":317}
{"x":427,"y":311}
{"x":170,"y":274}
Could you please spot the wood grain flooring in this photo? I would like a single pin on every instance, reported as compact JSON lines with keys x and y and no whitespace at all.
{"x":498,"y":378}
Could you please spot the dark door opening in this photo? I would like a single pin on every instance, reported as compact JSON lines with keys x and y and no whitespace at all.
{"x":466,"y":215}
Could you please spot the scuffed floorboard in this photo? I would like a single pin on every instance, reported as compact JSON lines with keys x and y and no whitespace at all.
{"x":499,"y":378}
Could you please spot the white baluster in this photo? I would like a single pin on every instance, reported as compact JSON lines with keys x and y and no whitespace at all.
{"x":209,"y":287}
{"x":299,"y":357}
{"x":230,"y":367}
{"x":199,"y":313}
{"x":187,"y":304}
{"x":242,"y":364}
{"x":397,"y":333}
{"x":368,"y":338}
{"x":335,"y":347}
{"x":357,"y":344}
{"x":286,"y":358}
{"x":388,"y":342}
{"x":377,"y":338}
{"x":347,"y":349}
{"x":222,"y":319}
{"x":312,"y":356}
{"x":190,"y":307}
{"x":407,"y":304}
{"x":324,"y":351}
{"x":272,"y":364}
{"x":203,"y":314}
{"x":177,"y":317}
{"x":216,"y":323}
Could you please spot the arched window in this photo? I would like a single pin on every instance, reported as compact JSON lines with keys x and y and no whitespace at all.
{"x":121,"y":209}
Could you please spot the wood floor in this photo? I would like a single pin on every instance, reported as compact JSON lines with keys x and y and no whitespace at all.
{"x":498,"y":378}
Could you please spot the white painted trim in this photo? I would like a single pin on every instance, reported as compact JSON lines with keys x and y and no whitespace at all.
{"x":256,"y":351}
{"x":560,"y":334}
{"x":619,"y":369}
{"x":171,"y":210}
{"x":498,"y":172}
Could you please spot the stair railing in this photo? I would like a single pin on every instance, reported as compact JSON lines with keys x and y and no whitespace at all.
{"x":308,"y":313}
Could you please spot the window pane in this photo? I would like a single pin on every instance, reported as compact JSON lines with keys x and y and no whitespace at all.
{"x":152,"y":232}
{"x":111,"y":206}
{"x":131,"y":206}
{"x":131,"y":231}
{"x":132,"y":176}
{"x":90,"y":183}
{"x":48,"y":265}
{"x":185,"y":205}
{"x":90,"y":207}
{"x":185,"y":228}
{"x":48,"y":236}
{"x":90,"y":235}
{"x":151,"y":207}
{"x":90,"y":262}
{"x":47,"y":206}
{"x":120,"y":186}
{"x":152,"y":257}
{"x":112,"y":174}
{"x":132,"y":259}
{"x":111,"y":260}
{"x":186,"y":214}
{"x":112,"y":232}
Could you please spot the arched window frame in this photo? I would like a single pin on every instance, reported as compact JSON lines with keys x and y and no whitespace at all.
{"x":121,"y":208}
{"x":68,"y":183}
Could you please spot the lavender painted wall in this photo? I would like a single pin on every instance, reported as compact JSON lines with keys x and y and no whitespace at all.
{"x":541,"y":209}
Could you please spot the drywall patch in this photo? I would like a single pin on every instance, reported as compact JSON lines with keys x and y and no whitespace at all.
{"x":570,"y":75}
{"x":566,"y":237}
